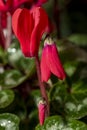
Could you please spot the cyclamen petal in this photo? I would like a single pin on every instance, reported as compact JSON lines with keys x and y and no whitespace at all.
{"x":2,"y":5}
{"x":45,"y":71}
{"x":22,"y":23}
{"x":39,"y":28}
{"x":28,"y":26}
{"x":53,"y":61}
{"x":50,"y":62}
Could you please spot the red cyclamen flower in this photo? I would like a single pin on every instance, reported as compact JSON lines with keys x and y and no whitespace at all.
{"x":50,"y":61}
{"x":29,"y":26}
{"x":42,"y":111}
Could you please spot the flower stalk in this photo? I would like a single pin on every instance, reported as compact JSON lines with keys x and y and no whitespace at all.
{"x":41,"y":84}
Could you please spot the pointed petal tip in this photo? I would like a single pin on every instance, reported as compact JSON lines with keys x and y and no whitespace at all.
{"x":45,"y":71}
{"x":45,"y":78}
{"x":63,"y":77}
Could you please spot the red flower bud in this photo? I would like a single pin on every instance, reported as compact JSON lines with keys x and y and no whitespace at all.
{"x":42,"y":111}
{"x":50,"y":61}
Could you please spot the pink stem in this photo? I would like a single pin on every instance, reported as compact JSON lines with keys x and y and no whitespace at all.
{"x":42,"y":87}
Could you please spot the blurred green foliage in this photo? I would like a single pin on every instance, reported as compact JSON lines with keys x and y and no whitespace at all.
{"x":19,"y":89}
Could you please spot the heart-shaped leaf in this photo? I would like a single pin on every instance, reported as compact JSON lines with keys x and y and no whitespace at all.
{"x":78,"y":39}
{"x":6,"y":98}
{"x":3,"y":56}
{"x":11,"y":78}
{"x":71,"y":102}
{"x":57,"y":123}
{"x":9,"y":122}
{"x":70,"y":67}
{"x":17,"y":60}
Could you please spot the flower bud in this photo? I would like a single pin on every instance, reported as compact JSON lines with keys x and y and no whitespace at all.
{"x":42,"y":111}
{"x":50,"y":61}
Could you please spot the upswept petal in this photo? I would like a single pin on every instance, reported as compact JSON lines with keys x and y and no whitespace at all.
{"x":1,"y":3}
{"x":40,"y":26}
{"x":15,"y":20}
{"x":53,"y":61}
{"x":45,"y":71}
{"x":23,"y":23}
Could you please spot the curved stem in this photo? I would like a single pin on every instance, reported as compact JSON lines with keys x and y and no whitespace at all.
{"x":42,"y":87}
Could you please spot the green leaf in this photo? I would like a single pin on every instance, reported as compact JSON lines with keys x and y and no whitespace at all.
{"x":57,"y":97}
{"x":57,"y":123}
{"x":80,"y":87}
{"x":81,"y":72}
{"x":70,"y":52}
{"x":76,"y":101}
{"x":76,"y":105}
{"x":17,"y":60}
{"x":33,"y":119}
{"x":32,"y":101}
{"x":70,"y":67}
{"x":71,"y":102}
{"x":20,"y":106}
{"x":6,"y":98}
{"x":3,"y":57}
{"x":36,"y":96}
{"x":78,"y":39}
{"x":9,"y":122}
{"x":11,"y":78}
